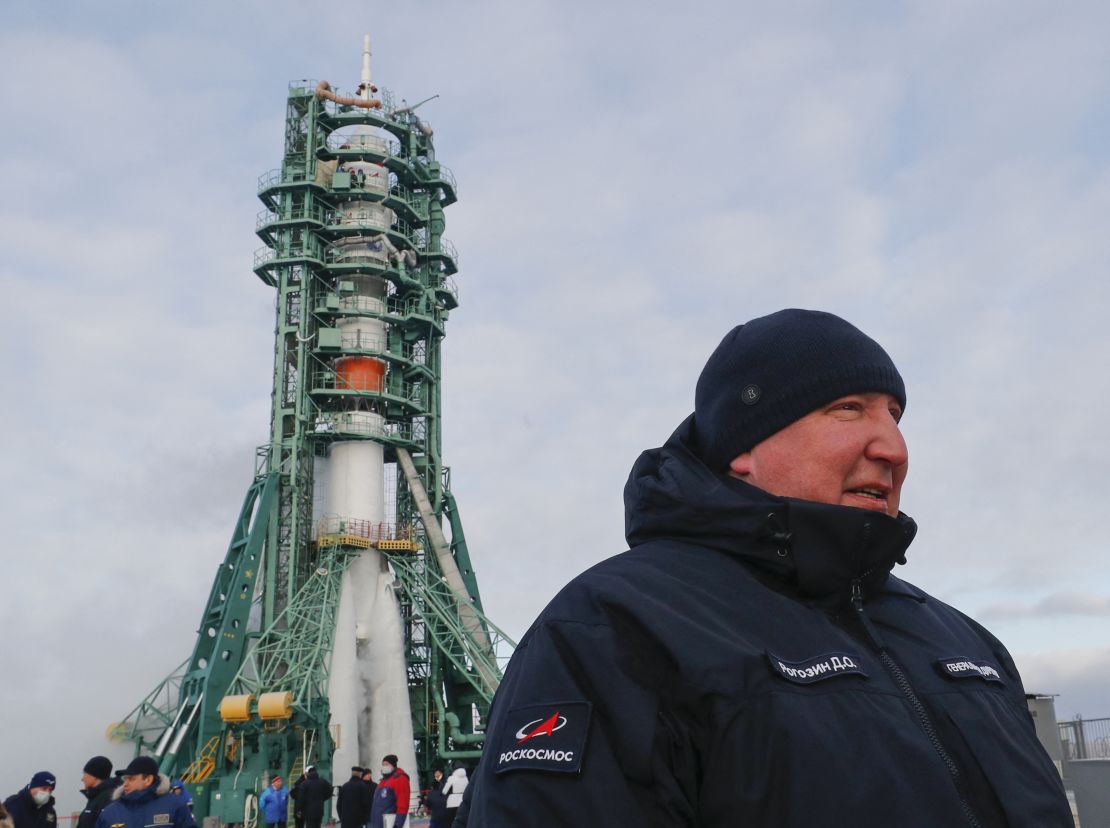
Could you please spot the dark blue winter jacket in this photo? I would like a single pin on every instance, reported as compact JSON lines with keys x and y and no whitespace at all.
{"x":99,"y":797}
{"x":150,"y":807}
{"x":751,"y":662}
{"x":26,"y":814}
{"x":385,"y":802}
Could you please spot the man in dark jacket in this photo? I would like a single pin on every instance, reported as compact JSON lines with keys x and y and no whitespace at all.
{"x":145,"y":799}
{"x":33,"y":807}
{"x":368,"y":781}
{"x":312,"y":793}
{"x":99,"y":787}
{"x":352,"y":804}
{"x":295,"y":795}
{"x":751,"y":661}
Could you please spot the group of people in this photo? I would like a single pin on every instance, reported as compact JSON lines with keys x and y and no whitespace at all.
{"x":385,"y":804}
{"x":135,"y":797}
{"x":140,"y":796}
{"x":443,"y":798}
{"x":362,"y":802}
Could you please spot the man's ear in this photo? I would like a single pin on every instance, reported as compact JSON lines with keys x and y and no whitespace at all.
{"x":741,"y":465}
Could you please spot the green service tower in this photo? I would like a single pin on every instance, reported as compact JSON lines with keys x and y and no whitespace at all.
{"x":344,"y":622}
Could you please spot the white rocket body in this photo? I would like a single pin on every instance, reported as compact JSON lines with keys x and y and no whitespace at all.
{"x":368,"y":677}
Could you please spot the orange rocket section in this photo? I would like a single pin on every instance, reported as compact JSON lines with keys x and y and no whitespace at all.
{"x":359,"y":373}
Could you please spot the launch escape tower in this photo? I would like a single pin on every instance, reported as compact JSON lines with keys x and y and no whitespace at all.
{"x":345,"y":621}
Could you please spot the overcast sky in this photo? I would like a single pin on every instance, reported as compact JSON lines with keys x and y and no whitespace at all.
{"x":635,"y":179}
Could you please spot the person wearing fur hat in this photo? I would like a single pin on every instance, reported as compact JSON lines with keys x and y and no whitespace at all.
{"x":33,"y":807}
{"x":752,"y":660}
{"x":144,"y":799}
{"x":99,"y":787}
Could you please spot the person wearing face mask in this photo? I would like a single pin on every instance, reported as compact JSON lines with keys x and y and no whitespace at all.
{"x":33,"y":807}
{"x":391,"y":799}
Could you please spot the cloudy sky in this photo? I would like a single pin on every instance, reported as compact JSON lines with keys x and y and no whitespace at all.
{"x":635,"y":178}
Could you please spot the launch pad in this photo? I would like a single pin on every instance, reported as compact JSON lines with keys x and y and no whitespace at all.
{"x":345,"y":621}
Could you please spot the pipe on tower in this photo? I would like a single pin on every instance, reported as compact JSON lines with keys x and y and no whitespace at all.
{"x":323,"y":90}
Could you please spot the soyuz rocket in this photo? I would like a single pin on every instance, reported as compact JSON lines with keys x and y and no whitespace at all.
{"x":368,"y":688}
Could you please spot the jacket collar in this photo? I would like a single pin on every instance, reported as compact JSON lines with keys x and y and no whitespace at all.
{"x":104,"y":785}
{"x":819,"y":548}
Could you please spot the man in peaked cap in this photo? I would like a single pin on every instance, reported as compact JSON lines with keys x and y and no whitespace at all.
{"x":144,"y":799}
{"x":352,"y":803}
{"x":751,"y":660}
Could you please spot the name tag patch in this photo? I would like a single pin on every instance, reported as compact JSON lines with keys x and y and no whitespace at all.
{"x":818,"y":668}
{"x":963,"y":668}
{"x":547,"y":737}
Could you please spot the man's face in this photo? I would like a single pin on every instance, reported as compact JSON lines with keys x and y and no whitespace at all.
{"x":277,"y":784}
{"x":137,"y":782}
{"x":849,"y":452}
{"x":89,"y":781}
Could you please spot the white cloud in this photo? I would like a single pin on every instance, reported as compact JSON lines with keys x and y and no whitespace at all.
{"x":1053,"y":605}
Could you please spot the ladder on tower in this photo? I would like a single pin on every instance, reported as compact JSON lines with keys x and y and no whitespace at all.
{"x":201,"y":767}
{"x":294,"y":774}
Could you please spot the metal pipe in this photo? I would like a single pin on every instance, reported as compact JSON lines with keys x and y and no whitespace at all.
{"x":185,"y":728}
{"x":165,"y":740}
{"x":323,"y":90}
{"x":443,"y":751}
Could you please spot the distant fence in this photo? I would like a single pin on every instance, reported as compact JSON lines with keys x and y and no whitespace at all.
{"x":1085,"y":739}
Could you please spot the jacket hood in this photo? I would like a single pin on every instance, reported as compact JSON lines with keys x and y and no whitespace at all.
{"x":160,"y":788}
{"x":821,"y":548}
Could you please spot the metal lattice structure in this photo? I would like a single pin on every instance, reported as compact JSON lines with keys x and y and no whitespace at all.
{"x":339,"y":244}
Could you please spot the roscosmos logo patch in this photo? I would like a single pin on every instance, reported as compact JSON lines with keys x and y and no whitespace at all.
{"x":549,"y":737}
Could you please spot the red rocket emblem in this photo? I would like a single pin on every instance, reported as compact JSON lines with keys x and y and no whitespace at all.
{"x":543,"y":727}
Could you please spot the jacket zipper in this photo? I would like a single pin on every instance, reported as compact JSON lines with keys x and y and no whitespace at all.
{"x":911,"y":696}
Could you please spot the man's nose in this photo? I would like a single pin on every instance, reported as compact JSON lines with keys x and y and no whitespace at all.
{"x":887,"y":443}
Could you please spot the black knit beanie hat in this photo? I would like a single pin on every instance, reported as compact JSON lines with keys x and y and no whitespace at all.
{"x":99,"y":766}
{"x":776,"y":369}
